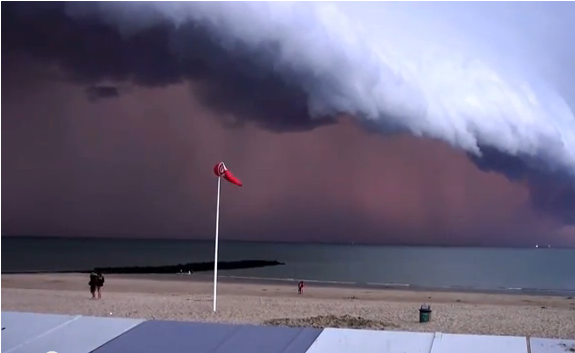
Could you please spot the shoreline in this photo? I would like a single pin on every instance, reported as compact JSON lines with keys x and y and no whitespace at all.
{"x":189,"y":298}
{"x":402,"y":286}
{"x":206,"y":276}
{"x":27,"y":281}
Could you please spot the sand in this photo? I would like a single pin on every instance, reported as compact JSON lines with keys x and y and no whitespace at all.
{"x":179,"y":298}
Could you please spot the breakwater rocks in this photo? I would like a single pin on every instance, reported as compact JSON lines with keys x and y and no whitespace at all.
{"x":189,"y":267}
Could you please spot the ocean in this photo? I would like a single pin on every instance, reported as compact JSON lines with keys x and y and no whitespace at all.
{"x":533,"y":270}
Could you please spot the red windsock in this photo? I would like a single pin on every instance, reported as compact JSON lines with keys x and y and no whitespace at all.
{"x":221,"y":171}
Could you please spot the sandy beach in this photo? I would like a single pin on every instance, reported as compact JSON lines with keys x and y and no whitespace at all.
{"x":260,"y":303}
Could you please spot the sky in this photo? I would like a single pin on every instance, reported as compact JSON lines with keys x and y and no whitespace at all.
{"x":391,"y":123}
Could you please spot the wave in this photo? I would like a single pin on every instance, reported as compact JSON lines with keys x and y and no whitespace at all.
{"x":394,"y":285}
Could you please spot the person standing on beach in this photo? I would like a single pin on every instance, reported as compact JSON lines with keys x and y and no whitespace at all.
{"x":300,"y":287}
{"x":99,"y":283}
{"x":93,"y":283}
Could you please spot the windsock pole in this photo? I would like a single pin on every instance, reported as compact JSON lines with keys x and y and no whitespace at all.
{"x":216,"y":244}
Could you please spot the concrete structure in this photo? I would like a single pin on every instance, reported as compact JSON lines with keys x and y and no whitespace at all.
{"x":452,"y":343}
{"x":33,"y":333}
{"x":546,"y":345}
{"x":29,"y":332}
{"x":370,"y":341}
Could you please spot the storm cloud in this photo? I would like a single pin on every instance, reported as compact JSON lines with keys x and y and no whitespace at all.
{"x":287,"y":67}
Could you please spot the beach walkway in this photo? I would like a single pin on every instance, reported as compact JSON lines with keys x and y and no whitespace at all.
{"x":32,"y":333}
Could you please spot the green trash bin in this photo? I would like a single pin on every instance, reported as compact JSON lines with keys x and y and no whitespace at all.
{"x":425,"y":313}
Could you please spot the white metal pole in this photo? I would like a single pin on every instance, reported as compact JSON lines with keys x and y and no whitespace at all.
{"x":216,"y":244}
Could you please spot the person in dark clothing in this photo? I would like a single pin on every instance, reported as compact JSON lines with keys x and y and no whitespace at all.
{"x":99,"y":283}
{"x":300,"y":287}
{"x":93,"y":283}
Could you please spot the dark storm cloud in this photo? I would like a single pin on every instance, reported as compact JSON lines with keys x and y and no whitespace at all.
{"x":97,"y":92}
{"x":274,"y":77}
{"x":91,"y":50}
{"x":556,"y":197}
{"x":551,"y":192}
